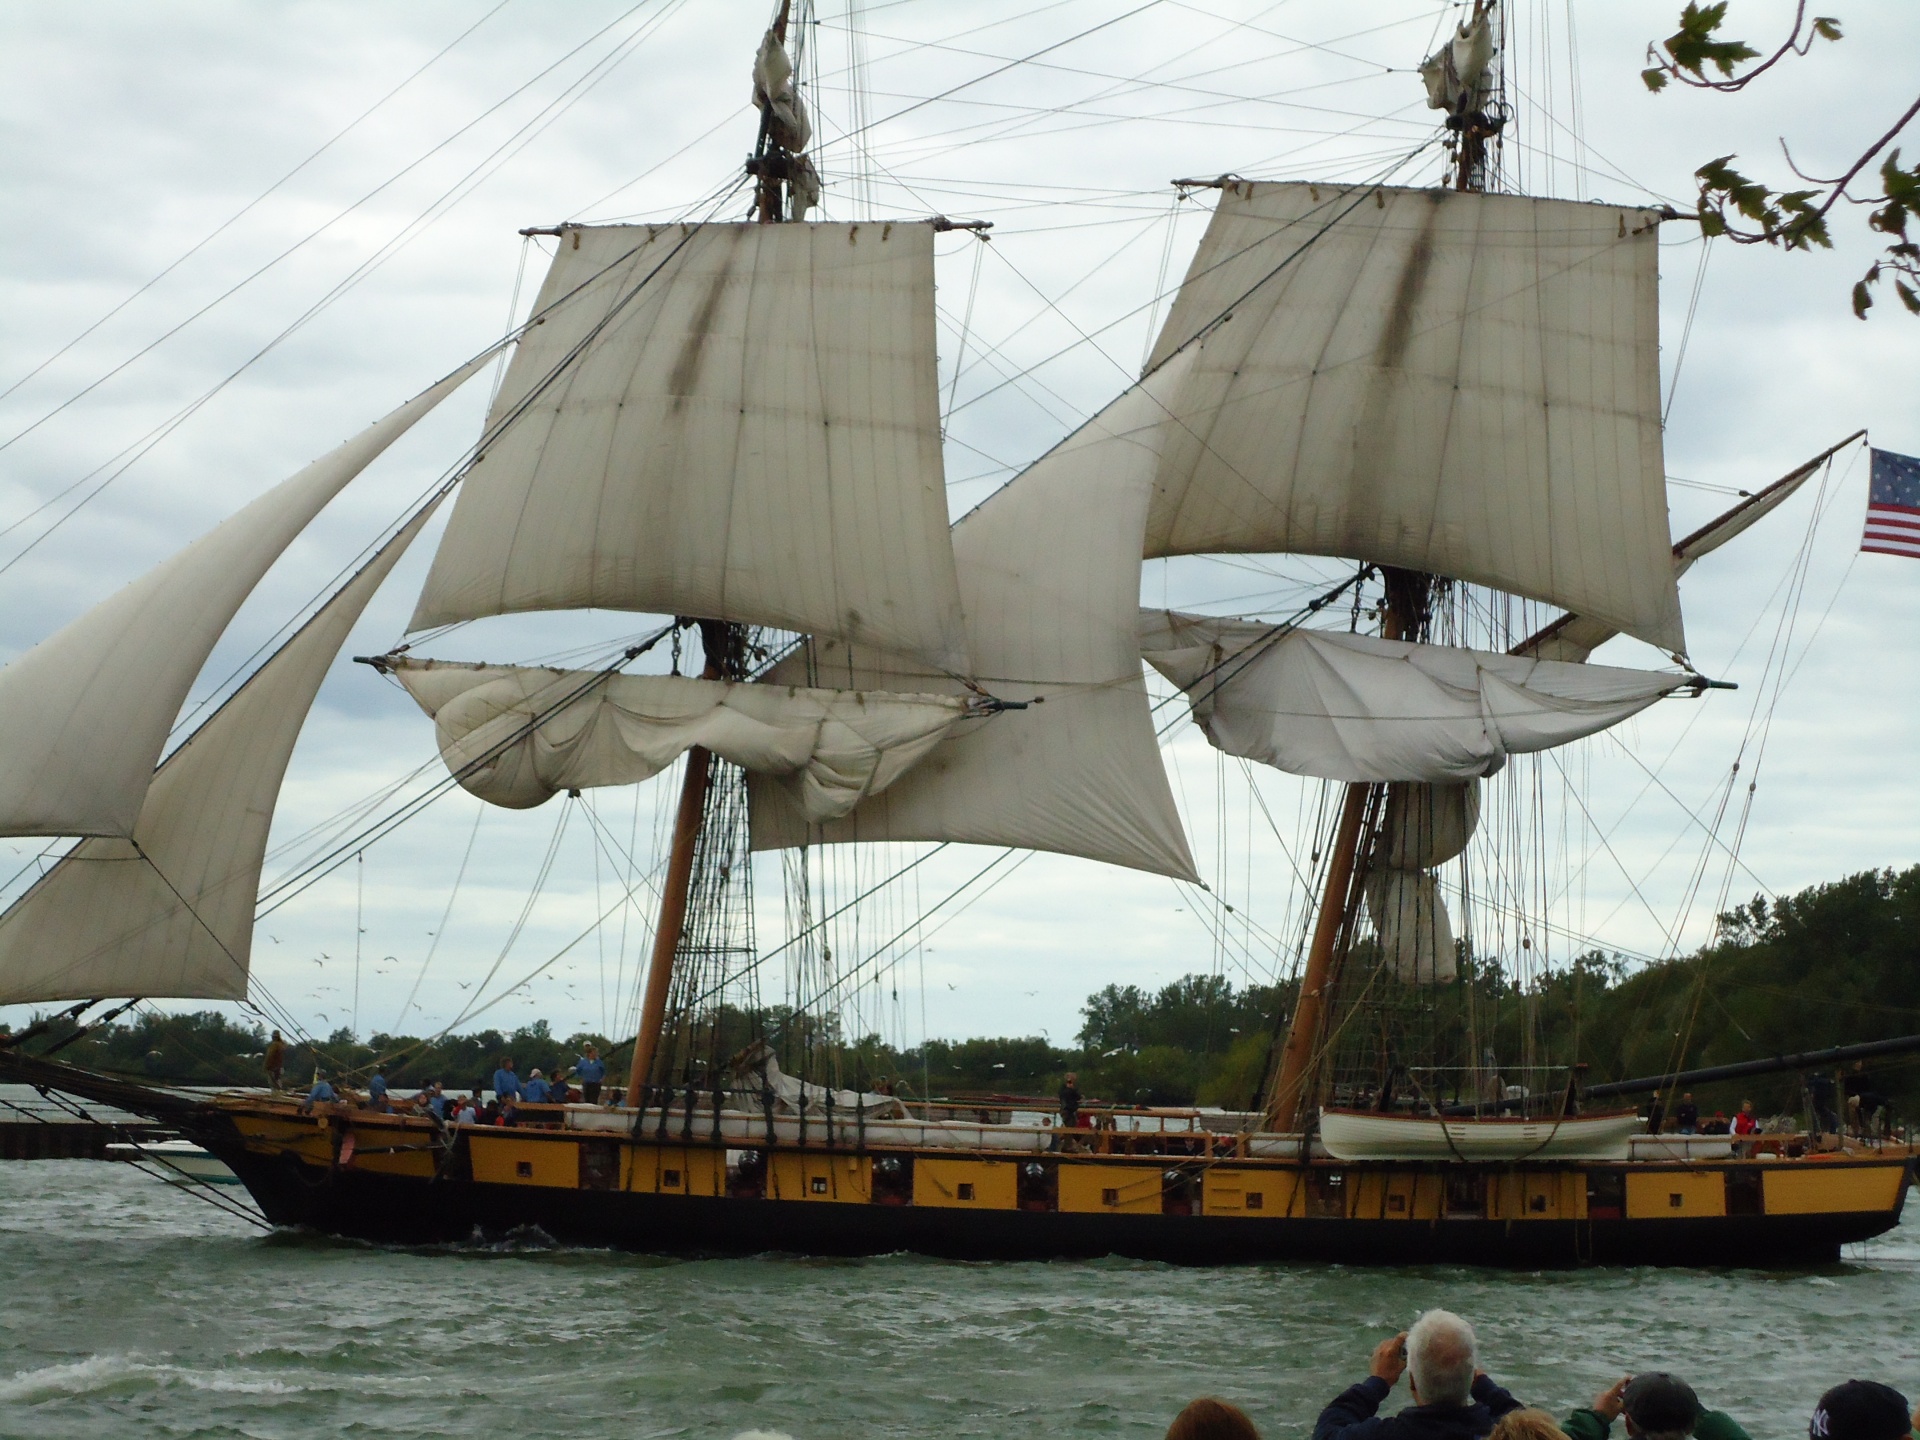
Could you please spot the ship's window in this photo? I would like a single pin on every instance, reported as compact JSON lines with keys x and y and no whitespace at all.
{"x":670,"y":1179}
{"x":1537,"y":1204}
{"x":1397,"y":1202}
{"x":1256,"y":1200}
{"x":1676,"y":1200}
{"x":523,"y":1169}
{"x":1110,"y":1198}
{"x":819,"y":1184}
{"x":1743,"y":1192}
{"x":966,"y":1190}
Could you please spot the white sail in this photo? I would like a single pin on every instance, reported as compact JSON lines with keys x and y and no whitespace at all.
{"x":518,"y":736}
{"x":1411,"y":925}
{"x":1575,"y":637}
{"x":85,"y":713}
{"x":1050,"y":575}
{"x":737,"y":422}
{"x":1354,"y":707}
{"x":169,"y":912}
{"x":1459,"y":383}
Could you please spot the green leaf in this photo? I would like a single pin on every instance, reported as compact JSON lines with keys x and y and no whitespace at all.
{"x":1712,"y":222}
{"x":1655,"y":79}
{"x":1826,"y":27}
{"x":1862,"y":301}
{"x":1907,"y":296}
{"x":1693,"y":46}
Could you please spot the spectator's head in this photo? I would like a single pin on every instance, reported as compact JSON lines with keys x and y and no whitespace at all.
{"x":1659,"y":1406}
{"x":1209,"y":1419}
{"x":1861,"y":1410}
{"x":591,"y":1052}
{"x":1072,"y":1079}
{"x":1526,"y":1425}
{"x":1746,"y":1107}
{"x":506,"y":1062}
{"x":534,"y":1074}
{"x":1440,"y":1358}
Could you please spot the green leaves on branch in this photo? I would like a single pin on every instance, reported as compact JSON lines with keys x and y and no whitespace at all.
{"x":1750,"y":213}
{"x":1697,"y":44}
{"x":1693,"y":47}
{"x":1901,"y":190}
{"x":1789,"y":219}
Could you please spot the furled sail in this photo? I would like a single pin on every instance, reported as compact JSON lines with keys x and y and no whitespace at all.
{"x":1355,"y":707}
{"x":1459,"y":383}
{"x":1050,"y":575}
{"x":1575,"y":637}
{"x":85,"y":714}
{"x":518,"y":736}
{"x":169,"y":912}
{"x":737,"y":422}
{"x":1421,"y":826}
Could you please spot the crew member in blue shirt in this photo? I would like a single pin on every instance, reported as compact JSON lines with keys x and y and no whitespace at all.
{"x":505,"y":1082}
{"x":377,"y":1090}
{"x":436,"y":1100}
{"x":321,"y":1093}
{"x":536,"y":1091}
{"x":590,"y":1070}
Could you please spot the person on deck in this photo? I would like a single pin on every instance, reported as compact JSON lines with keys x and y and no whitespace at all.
{"x":505,"y":1082}
{"x":590,"y":1070}
{"x":433,"y":1100}
{"x":1658,"y":1406}
{"x":1745,"y":1123}
{"x":275,"y":1060}
{"x":509,"y":1113}
{"x":536,"y":1091}
{"x":1861,"y":1410}
{"x":1452,"y":1400}
{"x":1070,"y":1102}
{"x":322,"y":1093}
{"x":1686,"y":1115}
{"x":377,"y":1090}
{"x":469,"y":1113}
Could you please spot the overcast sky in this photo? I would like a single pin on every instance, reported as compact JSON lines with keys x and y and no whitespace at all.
{"x":331,"y":283}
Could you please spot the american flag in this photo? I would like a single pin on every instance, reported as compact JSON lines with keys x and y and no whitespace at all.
{"x":1893,"y":505}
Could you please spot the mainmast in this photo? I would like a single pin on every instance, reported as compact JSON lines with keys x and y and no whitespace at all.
{"x":1461,"y":80}
{"x":787,"y":186}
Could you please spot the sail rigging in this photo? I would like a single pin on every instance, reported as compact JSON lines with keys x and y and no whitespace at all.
{"x":84,"y":715}
{"x":736,"y":422}
{"x":1457,"y":383}
{"x":168,"y":910}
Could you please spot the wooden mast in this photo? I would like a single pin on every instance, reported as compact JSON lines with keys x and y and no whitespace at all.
{"x":1403,"y":617}
{"x":673,"y":905}
{"x":723,"y":644}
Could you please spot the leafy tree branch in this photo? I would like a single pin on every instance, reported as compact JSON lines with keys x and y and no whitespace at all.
{"x":1748,"y":212}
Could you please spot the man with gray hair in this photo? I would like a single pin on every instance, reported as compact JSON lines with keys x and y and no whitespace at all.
{"x":1452,"y":1398}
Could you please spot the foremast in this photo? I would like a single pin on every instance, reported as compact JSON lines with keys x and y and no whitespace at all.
{"x":786,"y":186}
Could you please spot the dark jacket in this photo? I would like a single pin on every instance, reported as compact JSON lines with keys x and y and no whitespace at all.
{"x":1712,"y":1425}
{"x":1352,"y":1415}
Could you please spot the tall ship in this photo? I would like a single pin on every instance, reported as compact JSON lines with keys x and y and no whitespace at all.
{"x":736,"y":425}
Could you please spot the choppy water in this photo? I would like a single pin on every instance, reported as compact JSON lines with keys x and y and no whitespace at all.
{"x":133,"y":1309}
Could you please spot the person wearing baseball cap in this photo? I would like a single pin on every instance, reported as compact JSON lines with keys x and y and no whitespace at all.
{"x":1657,"y":1406}
{"x":1861,"y":1410}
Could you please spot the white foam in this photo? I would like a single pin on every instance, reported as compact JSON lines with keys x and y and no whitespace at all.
{"x":75,"y":1377}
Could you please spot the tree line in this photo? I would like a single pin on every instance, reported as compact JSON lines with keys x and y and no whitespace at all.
{"x":1831,"y":965}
